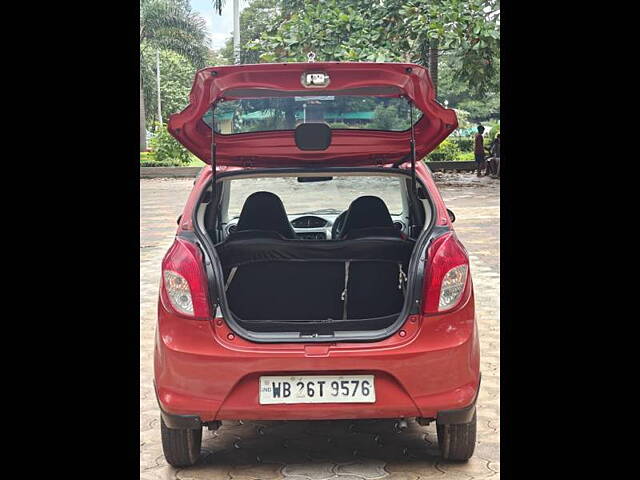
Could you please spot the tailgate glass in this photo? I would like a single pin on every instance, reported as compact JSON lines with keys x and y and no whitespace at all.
{"x":286,"y":113}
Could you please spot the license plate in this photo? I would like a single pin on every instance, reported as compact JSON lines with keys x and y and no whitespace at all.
{"x":317,"y":389}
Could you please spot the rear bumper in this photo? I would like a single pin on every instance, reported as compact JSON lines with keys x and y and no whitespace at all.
{"x":429,"y":371}
{"x":459,"y":415}
{"x":180,"y":421}
{"x":455,"y":416}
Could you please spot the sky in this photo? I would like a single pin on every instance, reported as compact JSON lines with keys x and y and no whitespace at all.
{"x":220,"y":26}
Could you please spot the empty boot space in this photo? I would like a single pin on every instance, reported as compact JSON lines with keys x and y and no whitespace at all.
{"x":286,"y":290}
{"x":373,"y":290}
{"x":289,"y":285}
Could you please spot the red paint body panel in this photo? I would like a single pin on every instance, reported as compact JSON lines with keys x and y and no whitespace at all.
{"x":349,"y":147}
{"x":435,"y":367}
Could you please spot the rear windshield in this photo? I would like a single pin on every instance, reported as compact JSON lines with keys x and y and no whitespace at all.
{"x":326,"y":197}
{"x":338,"y":111}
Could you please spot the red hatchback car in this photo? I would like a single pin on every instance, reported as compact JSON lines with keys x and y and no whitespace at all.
{"x":315,"y":273}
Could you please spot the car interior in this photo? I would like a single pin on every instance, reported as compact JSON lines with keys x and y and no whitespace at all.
{"x":348,"y":273}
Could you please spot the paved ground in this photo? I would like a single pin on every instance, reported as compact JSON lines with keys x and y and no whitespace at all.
{"x":341,"y":450}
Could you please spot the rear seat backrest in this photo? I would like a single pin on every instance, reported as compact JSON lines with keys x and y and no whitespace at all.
{"x":283,"y":290}
{"x":264,"y":211}
{"x":367,"y":212}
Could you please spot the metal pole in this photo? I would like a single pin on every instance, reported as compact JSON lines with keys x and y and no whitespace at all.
{"x":413,"y":150}
{"x":236,"y":31}
{"x":158,"y":85}
{"x":213,"y":145}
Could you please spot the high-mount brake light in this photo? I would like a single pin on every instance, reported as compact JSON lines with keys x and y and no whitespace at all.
{"x":184,"y":281}
{"x":446,"y":275}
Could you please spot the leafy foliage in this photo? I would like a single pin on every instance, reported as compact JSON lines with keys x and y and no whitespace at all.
{"x":341,"y":30}
{"x":478,"y":108}
{"x":468,"y":28}
{"x":168,"y":149}
{"x":390,"y":30}
{"x":217,"y":57}
{"x":495,"y":129}
{"x":176,"y":78}
{"x":465,"y":144}
{"x":447,"y":150}
{"x":463,"y":118}
{"x":217,"y":5}
{"x":169,"y":25}
{"x":172,"y":25}
{"x":146,"y":157}
{"x":387,"y":118}
{"x":258,"y":17}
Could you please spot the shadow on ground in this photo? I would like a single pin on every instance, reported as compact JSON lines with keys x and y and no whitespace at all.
{"x":316,"y":449}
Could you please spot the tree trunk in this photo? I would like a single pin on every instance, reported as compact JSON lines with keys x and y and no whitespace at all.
{"x":433,"y":64}
{"x":423,"y":54}
{"x":143,"y":129}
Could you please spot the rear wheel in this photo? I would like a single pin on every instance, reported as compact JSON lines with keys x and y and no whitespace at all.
{"x":181,"y":446}
{"x":457,"y":441}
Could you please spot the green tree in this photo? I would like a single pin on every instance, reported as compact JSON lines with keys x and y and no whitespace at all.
{"x":481,"y":107}
{"x":468,"y":28}
{"x":167,"y":149}
{"x":216,"y":57}
{"x":257,"y":17}
{"x":385,"y":118}
{"x":391,"y":30}
{"x":169,"y":25}
{"x":176,"y":78}
{"x":342,"y":30}
{"x":463,"y":119}
{"x":217,"y":5}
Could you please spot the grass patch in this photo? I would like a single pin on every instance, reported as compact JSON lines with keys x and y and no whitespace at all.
{"x":461,"y":158}
{"x":194,"y":162}
{"x":148,"y":159}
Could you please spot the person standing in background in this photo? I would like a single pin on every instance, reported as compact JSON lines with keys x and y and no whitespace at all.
{"x":478,"y":149}
{"x":495,"y":155}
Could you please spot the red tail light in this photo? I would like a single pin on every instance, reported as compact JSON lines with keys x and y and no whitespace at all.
{"x":446,"y":275}
{"x":184,"y":281}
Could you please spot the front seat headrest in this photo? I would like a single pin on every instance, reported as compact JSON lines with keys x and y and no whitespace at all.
{"x":366,"y":212}
{"x":265,"y":211}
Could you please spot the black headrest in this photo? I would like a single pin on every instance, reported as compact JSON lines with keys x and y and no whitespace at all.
{"x":366,"y":212}
{"x":253,"y":234}
{"x":384,"y":232}
{"x":265,"y":211}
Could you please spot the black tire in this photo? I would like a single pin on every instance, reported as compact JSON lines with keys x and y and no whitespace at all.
{"x":457,"y":441}
{"x":181,"y":447}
